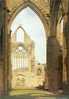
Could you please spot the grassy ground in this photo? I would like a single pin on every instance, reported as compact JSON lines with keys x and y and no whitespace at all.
{"x":34,"y":97}
{"x":30,"y":97}
{"x":32,"y":94}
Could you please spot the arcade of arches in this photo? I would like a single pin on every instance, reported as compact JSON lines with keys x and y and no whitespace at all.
{"x":54,"y":15}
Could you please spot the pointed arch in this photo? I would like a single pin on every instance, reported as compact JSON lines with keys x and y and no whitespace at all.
{"x":21,"y":33}
{"x":36,"y":10}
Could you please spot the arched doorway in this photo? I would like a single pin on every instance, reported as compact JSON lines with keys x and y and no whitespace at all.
{"x":43,"y":24}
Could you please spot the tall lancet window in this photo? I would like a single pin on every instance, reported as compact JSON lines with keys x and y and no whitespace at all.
{"x":19,"y":35}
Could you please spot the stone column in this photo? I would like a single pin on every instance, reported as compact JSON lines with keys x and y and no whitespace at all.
{"x":6,"y":52}
{"x":52,"y":63}
{"x":53,"y":48}
{"x":66,"y":34}
{"x":2,"y":88}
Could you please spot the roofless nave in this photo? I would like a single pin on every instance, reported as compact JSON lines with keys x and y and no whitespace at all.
{"x":54,"y":15}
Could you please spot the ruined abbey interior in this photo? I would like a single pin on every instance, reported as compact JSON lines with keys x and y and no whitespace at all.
{"x":54,"y":75}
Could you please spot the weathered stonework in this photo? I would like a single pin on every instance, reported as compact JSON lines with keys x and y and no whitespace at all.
{"x":49,"y":14}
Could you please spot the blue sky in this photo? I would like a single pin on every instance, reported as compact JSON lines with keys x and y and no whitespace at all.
{"x":32,"y":24}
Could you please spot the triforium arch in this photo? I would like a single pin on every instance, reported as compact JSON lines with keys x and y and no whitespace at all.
{"x":9,"y":21}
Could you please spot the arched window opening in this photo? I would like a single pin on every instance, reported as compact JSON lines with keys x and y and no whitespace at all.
{"x":28,"y":48}
{"x":19,"y":35}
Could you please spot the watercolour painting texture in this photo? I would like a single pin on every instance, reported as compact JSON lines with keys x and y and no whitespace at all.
{"x":34,"y":49}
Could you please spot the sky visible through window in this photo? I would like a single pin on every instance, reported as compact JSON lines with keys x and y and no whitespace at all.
{"x":32,"y":24}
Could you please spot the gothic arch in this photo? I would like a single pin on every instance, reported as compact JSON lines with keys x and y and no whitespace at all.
{"x":35,"y":9}
{"x":12,"y":17}
{"x":20,"y":27}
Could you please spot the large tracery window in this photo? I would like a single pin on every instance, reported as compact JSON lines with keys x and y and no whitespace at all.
{"x":19,"y":58}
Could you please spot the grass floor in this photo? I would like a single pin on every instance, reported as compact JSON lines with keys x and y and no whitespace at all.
{"x":32,"y":94}
{"x":29,"y":97}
